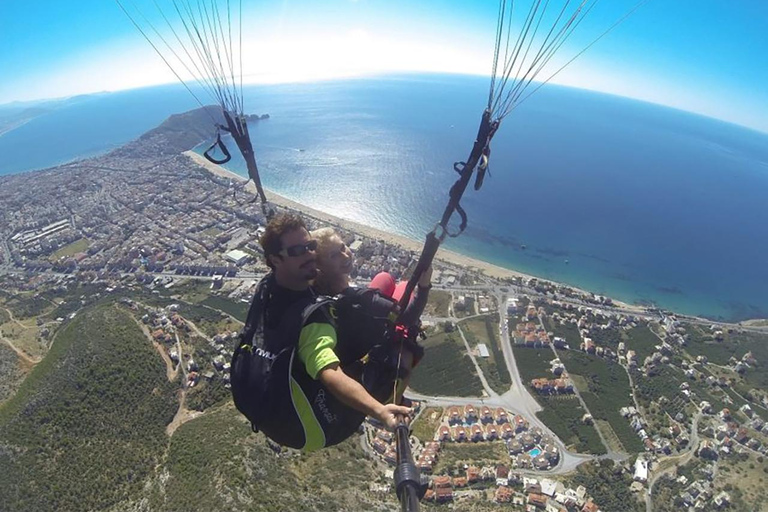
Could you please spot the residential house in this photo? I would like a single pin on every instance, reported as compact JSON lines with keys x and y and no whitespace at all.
{"x":486,"y":415}
{"x":460,"y":481}
{"x":491,"y":432}
{"x":503,"y":494}
{"x":537,"y":500}
{"x":454,"y":416}
{"x":443,"y":494}
{"x":590,"y":506}
{"x":515,"y":446}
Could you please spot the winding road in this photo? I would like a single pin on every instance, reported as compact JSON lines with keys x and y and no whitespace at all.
{"x":680,"y":460}
{"x":516,"y":400}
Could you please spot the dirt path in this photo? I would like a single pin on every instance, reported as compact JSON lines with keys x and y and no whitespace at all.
{"x":170,"y":371}
{"x":17,"y":322}
{"x":183,"y":415}
{"x":31,"y":361}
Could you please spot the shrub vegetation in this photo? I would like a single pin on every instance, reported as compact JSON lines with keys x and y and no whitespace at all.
{"x":88,"y":424}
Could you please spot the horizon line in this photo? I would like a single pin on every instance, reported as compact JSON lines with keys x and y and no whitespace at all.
{"x":287,"y":80}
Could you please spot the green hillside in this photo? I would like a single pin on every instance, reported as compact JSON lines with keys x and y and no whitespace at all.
{"x":87,"y":431}
{"x":87,"y":426}
{"x":215,"y":462}
{"x":10,"y":373}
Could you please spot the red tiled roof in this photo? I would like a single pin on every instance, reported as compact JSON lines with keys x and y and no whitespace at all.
{"x":460,"y":482}
{"x":537,"y":500}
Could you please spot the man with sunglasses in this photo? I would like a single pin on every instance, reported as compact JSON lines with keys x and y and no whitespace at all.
{"x":286,"y":377}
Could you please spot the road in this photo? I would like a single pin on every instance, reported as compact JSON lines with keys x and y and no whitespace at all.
{"x":516,"y":400}
{"x":488,"y":390}
{"x":683,"y":459}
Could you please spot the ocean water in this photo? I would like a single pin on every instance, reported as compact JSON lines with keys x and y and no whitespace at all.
{"x":640,"y":202}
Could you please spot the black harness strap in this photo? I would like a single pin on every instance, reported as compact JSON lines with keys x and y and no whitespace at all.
{"x":218,"y":144}
{"x":480,"y":149}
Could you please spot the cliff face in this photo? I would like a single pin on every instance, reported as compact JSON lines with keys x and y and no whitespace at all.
{"x":178,"y":133}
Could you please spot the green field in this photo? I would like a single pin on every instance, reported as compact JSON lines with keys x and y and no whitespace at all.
{"x":194,"y":291}
{"x":608,"y":391}
{"x":28,"y":305}
{"x":610,"y":337}
{"x":483,"y":330}
{"x":569,"y":332}
{"x":213,"y":231}
{"x":667,"y":384}
{"x":563,"y":415}
{"x":209,"y":321}
{"x":642,"y":340}
{"x":454,"y":456}
{"x":70,"y":249}
{"x":533,"y":363}
{"x":237,"y":309}
{"x":438,"y":303}
{"x":446,"y":369}
{"x":426,"y":424}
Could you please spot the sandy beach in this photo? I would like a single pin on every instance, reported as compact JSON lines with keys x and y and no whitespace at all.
{"x":443,"y":255}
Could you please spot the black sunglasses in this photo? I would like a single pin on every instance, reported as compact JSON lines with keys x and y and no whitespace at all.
{"x":300,"y":250}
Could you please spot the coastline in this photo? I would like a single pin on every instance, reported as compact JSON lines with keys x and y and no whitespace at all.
{"x":443,"y":255}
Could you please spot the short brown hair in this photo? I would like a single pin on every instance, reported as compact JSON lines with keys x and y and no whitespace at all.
{"x":276,"y":228}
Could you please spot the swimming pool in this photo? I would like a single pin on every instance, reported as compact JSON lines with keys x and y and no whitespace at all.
{"x":534,"y":452}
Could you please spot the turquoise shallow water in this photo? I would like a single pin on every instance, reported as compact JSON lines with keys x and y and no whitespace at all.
{"x":640,"y":202}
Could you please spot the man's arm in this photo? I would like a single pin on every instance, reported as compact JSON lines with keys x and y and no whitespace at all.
{"x":316,"y":343}
{"x":352,"y":394}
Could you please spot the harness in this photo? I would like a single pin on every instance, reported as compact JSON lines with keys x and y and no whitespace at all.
{"x":270,"y":385}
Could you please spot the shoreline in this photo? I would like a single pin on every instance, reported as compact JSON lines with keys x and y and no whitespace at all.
{"x":443,"y":255}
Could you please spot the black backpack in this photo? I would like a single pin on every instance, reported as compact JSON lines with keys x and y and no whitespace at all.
{"x":264,"y":358}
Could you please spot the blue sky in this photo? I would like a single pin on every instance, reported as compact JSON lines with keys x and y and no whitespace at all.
{"x":706,"y":56}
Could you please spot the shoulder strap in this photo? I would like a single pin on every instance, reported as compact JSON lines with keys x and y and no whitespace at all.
{"x":322,"y":303}
{"x":370,"y":300}
{"x":255,"y":319}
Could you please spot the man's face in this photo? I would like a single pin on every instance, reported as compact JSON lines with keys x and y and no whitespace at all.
{"x":296,"y":265}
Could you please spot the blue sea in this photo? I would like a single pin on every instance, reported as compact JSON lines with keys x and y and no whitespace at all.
{"x":639,"y":202}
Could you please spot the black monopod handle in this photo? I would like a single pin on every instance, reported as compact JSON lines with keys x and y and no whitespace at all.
{"x":407,"y":476}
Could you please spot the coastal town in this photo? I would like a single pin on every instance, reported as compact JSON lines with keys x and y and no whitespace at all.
{"x":532,"y":395}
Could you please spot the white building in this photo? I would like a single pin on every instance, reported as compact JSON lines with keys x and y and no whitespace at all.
{"x":237,"y":257}
{"x":641,"y":470}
